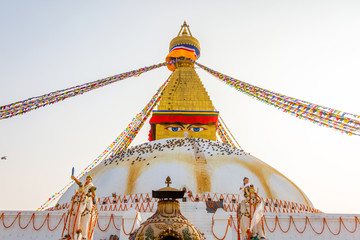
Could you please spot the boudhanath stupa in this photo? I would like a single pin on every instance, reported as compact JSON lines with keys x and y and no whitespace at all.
{"x":189,"y":143}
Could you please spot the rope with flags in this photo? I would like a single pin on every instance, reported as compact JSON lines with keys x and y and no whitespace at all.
{"x":345,"y":122}
{"x":225,"y":135}
{"x":121,"y":143}
{"x":21,"y":107}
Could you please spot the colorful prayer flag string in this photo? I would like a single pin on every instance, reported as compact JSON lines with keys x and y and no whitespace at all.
{"x":345,"y":122}
{"x":225,"y":135}
{"x":33,"y":103}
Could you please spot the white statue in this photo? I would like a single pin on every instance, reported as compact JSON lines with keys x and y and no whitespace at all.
{"x":251,"y":211}
{"x":82,"y":215}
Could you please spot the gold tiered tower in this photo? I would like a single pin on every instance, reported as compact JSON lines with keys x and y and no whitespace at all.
{"x":185,"y":109}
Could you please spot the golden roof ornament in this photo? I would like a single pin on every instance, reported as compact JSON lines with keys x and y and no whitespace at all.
{"x":168,"y":192}
{"x":168,"y":181}
{"x":183,"y":29}
{"x":167,"y":222}
{"x":185,"y":37}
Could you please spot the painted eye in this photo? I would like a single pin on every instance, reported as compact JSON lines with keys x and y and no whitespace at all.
{"x":174,"y":129}
{"x":197,"y":129}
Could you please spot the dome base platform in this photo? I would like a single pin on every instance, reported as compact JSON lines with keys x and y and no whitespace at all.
{"x":27,"y":225}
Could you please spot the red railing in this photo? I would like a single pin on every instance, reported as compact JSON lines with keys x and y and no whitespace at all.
{"x":143,"y":202}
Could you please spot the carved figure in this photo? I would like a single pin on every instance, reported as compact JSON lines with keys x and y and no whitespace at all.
{"x":82,"y":215}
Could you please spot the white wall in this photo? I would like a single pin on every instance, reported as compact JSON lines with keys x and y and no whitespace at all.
{"x":195,"y":212}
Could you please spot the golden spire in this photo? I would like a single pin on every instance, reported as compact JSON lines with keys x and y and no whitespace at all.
{"x":185,"y":108}
{"x":185,"y":92}
{"x":183,"y":28}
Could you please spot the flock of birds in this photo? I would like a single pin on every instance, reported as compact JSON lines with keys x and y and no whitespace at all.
{"x":145,"y":151}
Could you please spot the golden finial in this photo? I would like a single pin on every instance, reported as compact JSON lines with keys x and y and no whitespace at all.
{"x":168,"y":181}
{"x":184,"y":30}
{"x":185,"y":37}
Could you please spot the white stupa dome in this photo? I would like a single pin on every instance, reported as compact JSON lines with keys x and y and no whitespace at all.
{"x":201,"y":165}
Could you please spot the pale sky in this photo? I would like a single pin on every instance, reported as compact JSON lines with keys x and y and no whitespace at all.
{"x":305,"y":49}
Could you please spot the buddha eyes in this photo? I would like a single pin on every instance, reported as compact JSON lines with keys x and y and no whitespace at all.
{"x":197,"y":129}
{"x":174,"y":129}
